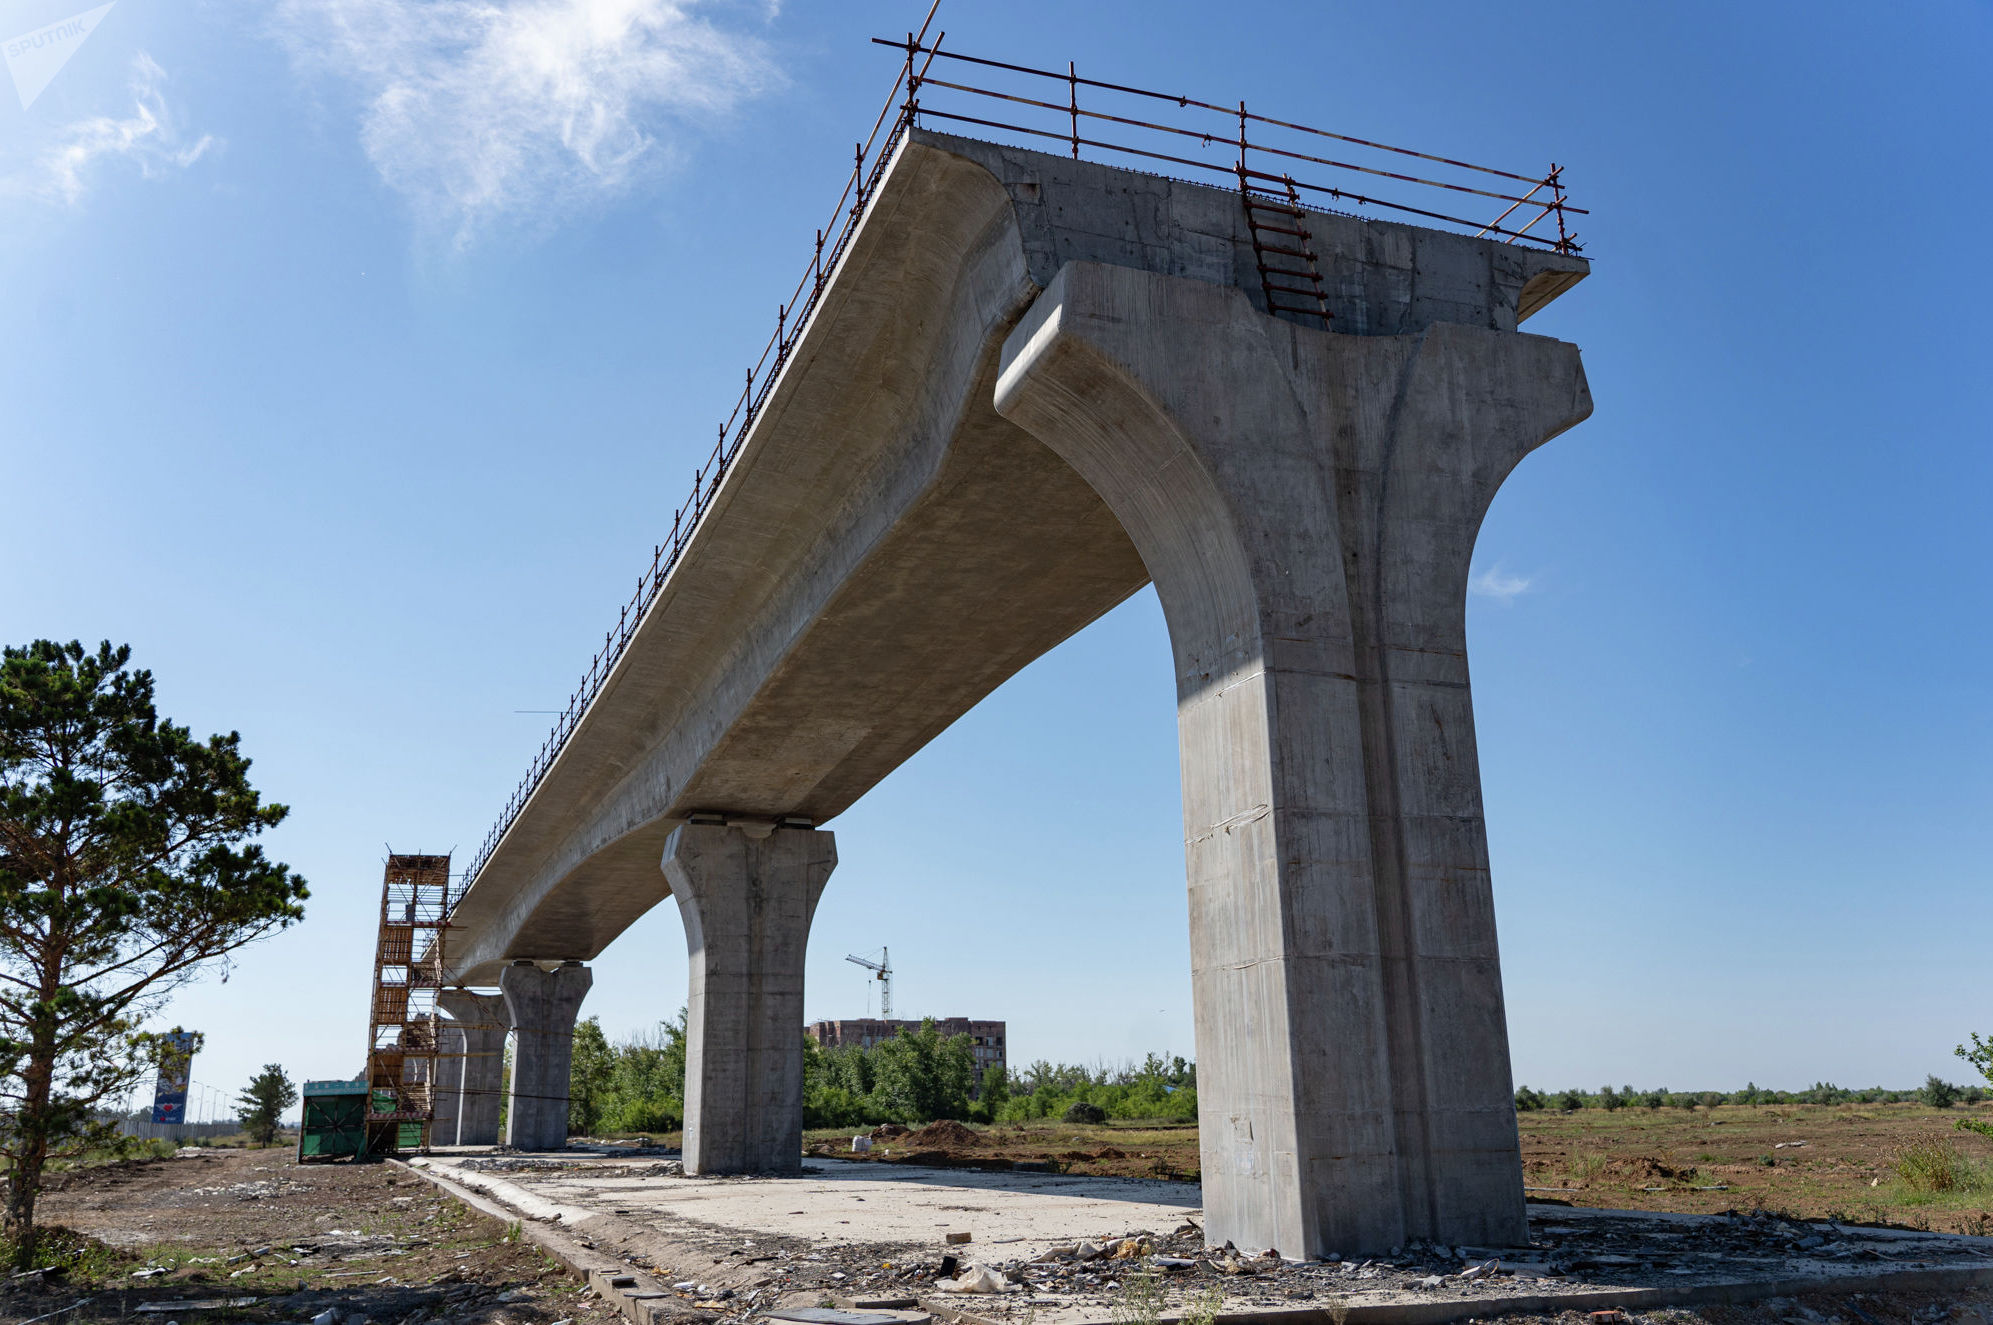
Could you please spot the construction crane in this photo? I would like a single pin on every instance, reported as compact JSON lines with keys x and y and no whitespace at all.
{"x":882,"y":972}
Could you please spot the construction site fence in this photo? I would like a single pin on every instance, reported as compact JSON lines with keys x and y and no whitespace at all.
{"x":180,"y":1133}
{"x":1211,"y":140}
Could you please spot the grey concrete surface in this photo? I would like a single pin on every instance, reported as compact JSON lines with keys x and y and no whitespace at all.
{"x":830,"y":1231}
{"x":746,"y":893}
{"x":480,"y":1023}
{"x":1307,"y":503}
{"x":1024,"y":1214}
{"x":541,"y":1007}
{"x":963,"y":461}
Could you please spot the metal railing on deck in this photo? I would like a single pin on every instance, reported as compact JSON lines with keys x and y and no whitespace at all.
{"x":869,"y":161}
{"x":1226,"y":146}
{"x":911,"y":103}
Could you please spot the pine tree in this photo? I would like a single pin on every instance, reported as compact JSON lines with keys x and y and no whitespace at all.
{"x":125,"y":870}
{"x":261,"y":1106}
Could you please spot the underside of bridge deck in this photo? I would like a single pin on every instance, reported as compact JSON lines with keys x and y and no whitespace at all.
{"x":1032,"y":385}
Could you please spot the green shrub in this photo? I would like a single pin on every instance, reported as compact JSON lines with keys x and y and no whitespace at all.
{"x":634,"y":1085}
{"x":1937,"y":1093}
{"x":1610,"y":1099}
{"x":1936,"y":1167}
{"x":834,"y":1106}
{"x":1571,"y":1101}
{"x":74,"y":1255}
{"x":664,"y":1114}
{"x":1980,"y":1055}
{"x":1527,"y":1100}
{"x":1085,"y":1111}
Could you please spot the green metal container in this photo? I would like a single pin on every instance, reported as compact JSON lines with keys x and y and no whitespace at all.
{"x":335,"y":1120}
{"x":405,"y":1136}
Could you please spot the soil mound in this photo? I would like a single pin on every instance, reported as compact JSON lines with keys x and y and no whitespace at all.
{"x":1650,"y":1169}
{"x":947,"y":1134}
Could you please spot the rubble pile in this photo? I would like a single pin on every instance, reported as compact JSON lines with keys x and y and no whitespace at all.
{"x":1596,"y":1252}
{"x":664,"y":1168}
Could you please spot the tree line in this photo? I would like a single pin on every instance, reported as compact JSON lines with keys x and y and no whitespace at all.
{"x":1935,"y":1092}
{"x":637,"y":1084}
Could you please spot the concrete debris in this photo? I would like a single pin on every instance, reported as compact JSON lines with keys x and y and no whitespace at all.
{"x":861,"y":1144}
{"x":957,"y":1239}
{"x":977,"y":1279}
{"x":260,"y":1190}
{"x":204,"y":1304}
{"x":663,"y":1168}
{"x":864,"y":1256}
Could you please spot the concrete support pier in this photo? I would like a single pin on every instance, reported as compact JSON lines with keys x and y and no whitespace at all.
{"x":481,"y":1022}
{"x":746,"y":892}
{"x":540,"y":1007}
{"x":449,"y":1091}
{"x":1307,"y":504}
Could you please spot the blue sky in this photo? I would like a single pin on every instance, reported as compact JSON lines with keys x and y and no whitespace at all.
{"x":354,"y":354}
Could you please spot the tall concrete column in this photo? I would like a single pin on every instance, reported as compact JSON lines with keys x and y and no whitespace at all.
{"x":1307,"y":504}
{"x":448,"y":1095}
{"x":541,"y":1007}
{"x":479,"y":1021}
{"x":746,"y":893}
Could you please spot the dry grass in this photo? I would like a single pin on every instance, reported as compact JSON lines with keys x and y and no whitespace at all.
{"x":1812,"y":1161}
{"x":1935,"y":1166}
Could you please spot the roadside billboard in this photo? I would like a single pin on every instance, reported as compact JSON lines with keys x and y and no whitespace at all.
{"x":176,"y":1068}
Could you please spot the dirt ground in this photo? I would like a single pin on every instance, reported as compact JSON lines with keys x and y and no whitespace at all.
{"x":1813,"y":1162}
{"x":1128,"y":1150}
{"x":374,"y":1244}
{"x":367,"y":1241}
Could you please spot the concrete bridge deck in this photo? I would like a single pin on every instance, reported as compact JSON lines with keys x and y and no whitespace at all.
{"x":888,"y":549}
{"x":1031,"y":385}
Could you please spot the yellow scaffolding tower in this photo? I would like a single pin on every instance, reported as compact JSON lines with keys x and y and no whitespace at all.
{"x":402,"y":1048}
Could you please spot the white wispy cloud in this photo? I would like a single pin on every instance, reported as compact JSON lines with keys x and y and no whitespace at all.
{"x":1500,"y":585}
{"x":147,"y":140}
{"x":482,"y":111}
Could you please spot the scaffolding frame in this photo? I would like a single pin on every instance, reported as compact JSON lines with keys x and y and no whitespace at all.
{"x":403,"y":1027}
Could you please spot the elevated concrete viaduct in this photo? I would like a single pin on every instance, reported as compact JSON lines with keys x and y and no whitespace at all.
{"x":1034,"y":385}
